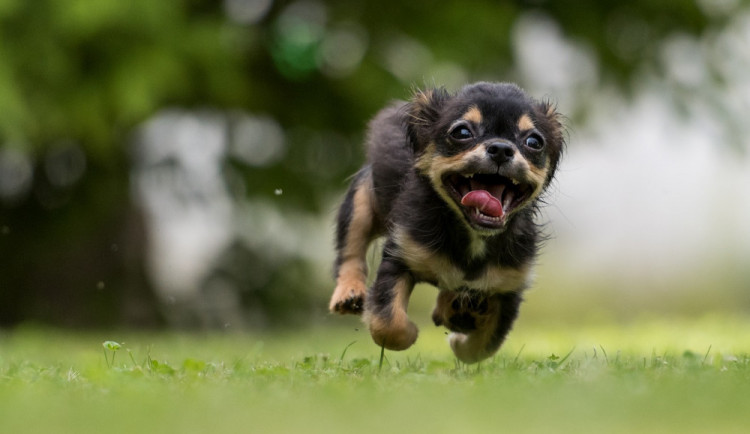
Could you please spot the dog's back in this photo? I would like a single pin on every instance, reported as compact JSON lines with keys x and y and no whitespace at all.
{"x":389,"y":155}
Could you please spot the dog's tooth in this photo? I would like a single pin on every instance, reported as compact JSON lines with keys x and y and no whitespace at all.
{"x":514,"y":181}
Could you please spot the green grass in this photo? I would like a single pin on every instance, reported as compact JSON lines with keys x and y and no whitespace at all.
{"x":677,"y":375}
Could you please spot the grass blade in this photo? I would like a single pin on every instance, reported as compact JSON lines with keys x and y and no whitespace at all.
{"x":382,"y":356}
{"x":343,"y":353}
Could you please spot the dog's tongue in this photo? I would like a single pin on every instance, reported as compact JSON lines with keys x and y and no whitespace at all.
{"x":482,"y":199}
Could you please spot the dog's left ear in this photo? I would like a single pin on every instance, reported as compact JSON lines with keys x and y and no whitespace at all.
{"x":553,"y":129}
{"x":421,"y":114}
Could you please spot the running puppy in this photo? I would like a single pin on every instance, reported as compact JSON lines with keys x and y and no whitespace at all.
{"x":453,"y":182}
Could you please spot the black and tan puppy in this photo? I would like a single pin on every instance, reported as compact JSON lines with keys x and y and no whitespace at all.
{"x":453,"y":182}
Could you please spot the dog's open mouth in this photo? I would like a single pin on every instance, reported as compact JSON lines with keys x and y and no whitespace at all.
{"x":487,"y":199}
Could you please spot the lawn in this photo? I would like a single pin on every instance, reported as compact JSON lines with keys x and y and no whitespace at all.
{"x":651,"y":375}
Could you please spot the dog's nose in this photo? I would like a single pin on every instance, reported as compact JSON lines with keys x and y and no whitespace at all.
{"x":500,"y":152}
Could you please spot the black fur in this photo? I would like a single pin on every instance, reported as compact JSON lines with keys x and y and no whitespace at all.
{"x":509,"y":304}
{"x":391,"y":268}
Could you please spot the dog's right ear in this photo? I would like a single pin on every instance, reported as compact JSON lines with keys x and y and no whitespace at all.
{"x":421,"y":114}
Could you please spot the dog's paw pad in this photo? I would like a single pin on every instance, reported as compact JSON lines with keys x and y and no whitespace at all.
{"x":348,"y":298}
{"x":354,"y":304}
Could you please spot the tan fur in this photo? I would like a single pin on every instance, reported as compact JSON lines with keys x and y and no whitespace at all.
{"x":434,"y":267}
{"x":551,"y":111}
{"x":539,"y":176}
{"x":352,"y":276}
{"x":350,"y":284}
{"x":396,"y":332}
{"x":535,"y":175}
{"x":439,"y":165}
{"x":473,"y":115}
{"x":423,"y":98}
{"x":525,"y":123}
{"x":424,"y":161}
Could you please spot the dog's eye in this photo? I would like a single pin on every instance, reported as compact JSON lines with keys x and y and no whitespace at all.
{"x":461,"y":132}
{"x":534,"y":142}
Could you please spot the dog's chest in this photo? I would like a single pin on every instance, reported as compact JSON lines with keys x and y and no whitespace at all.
{"x":439,"y":269}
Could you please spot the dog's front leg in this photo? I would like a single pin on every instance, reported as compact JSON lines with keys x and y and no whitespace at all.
{"x":386,"y":304}
{"x":483,"y":342}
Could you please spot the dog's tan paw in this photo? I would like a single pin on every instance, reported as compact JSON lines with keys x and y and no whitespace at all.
{"x":353,"y":304}
{"x":395,"y":334}
{"x":348,"y":297}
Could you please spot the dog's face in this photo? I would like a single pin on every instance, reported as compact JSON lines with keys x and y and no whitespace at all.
{"x":489,"y":150}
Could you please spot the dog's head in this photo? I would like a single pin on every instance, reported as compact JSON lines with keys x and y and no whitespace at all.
{"x":489,"y":150}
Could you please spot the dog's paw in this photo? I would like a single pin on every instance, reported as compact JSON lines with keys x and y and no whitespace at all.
{"x":395,"y":334}
{"x":348,"y":297}
{"x":464,"y":311}
{"x":353,"y":304}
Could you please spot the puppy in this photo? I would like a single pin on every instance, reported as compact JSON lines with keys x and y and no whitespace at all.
{"x":453,"y":182}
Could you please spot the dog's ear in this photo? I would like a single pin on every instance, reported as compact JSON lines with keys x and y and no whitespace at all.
{"x":553,"y":129}
{"x":421,"y":114}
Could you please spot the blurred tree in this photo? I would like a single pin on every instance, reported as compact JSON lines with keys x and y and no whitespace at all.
{"x":77,"y":76}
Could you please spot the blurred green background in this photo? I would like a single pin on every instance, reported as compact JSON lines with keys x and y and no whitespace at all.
{"x":177,"y":163}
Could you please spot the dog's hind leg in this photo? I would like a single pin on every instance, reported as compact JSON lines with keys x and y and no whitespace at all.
{"x":386,"y":304}
{"x":356,"y":228}
{"x":484,"y":342}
